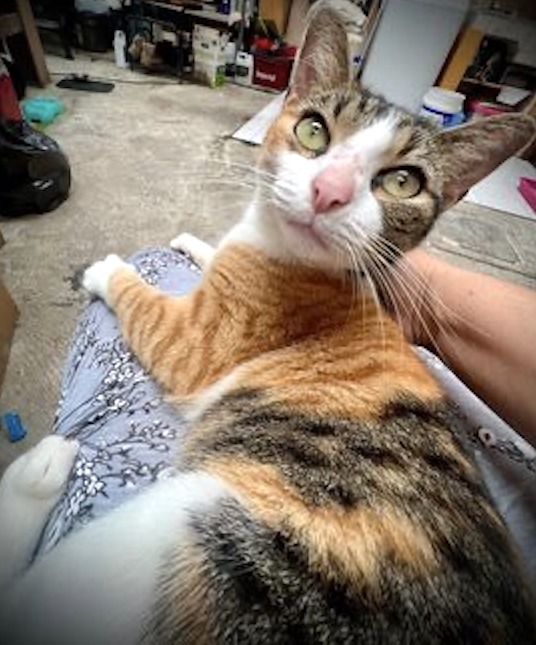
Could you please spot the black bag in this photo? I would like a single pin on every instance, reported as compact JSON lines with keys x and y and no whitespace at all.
{"x":35,"y":176}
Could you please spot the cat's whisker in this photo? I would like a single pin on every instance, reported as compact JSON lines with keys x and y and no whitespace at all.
{"x":413,"y":289}
{"x":344,"y":257}
{"x":285,"y":191}
{"x":431,"y":302}
{"x":204,"y":162}
{"x":379,"y":308}
{"x":356,"y":271}
{"x":379,"y":274}
{"x":394,"y":284}
{"x":357,"y":287}
{"x":249,"y":168}
{"x":370,"y":253}
{"x":242,"y":174}
{"x":281,"y":191}
{"x":395,"y":261}
{"x":413,"y":296}
{"x":277,"y":202}
{"x":419,"y":314}
{"x":214,"y":181}
{"x":442,"y":312}
{"x":363,"y":270}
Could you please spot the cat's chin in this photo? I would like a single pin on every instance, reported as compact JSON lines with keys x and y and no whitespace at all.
{"x":307,"y":243}
{"x":282,"y":236}
{"x":308,"y":234}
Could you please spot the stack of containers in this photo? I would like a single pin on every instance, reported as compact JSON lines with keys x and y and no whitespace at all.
{"x":210,"y":55}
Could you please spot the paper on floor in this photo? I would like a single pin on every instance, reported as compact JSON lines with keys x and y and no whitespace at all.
{"x":499,"y":189}
{"x":254,"y":130}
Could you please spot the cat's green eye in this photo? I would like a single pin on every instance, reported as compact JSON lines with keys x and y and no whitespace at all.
{"x":402,"y":183}
{"x":313,"y":134}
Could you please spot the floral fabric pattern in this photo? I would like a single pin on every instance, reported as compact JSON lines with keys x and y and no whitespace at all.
{"x":129,"y":435}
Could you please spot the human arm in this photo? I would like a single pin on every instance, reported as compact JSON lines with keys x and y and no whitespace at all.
{"x":483,"y":329}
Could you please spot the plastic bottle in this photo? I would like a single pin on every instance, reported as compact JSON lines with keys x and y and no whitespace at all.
{"x":120,"y":43}
{"x":443,"y":106}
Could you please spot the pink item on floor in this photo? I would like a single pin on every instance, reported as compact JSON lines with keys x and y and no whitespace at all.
{"x":527,"y":187}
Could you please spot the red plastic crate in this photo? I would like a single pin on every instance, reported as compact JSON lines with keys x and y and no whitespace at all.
{"x":272,"y":71}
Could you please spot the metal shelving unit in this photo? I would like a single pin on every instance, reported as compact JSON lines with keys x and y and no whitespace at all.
{"x":147,"y":15}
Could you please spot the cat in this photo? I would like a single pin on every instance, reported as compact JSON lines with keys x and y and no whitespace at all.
{"x":323,"y":494}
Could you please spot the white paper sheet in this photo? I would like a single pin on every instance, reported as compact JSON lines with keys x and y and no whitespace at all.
{"x":254,"y":130}
{"x":512,"y":95}
{"x":499,"y":189}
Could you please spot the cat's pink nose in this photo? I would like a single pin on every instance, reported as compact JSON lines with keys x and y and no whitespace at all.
{"x":334,"y":187}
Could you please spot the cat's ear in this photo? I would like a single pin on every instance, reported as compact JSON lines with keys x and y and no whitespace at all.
{"x":474,"y":150}
{"x":323,"y":59}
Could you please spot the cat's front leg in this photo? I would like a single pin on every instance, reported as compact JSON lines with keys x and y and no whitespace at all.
{"x":200,"y":252}
{"x":152,"y":323}
{"x":29,"y":489}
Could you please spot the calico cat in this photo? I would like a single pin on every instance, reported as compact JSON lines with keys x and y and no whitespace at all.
{"x":323,"y":496}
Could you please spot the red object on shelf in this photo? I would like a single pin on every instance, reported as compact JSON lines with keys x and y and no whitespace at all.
{"x":272,"y":70}
{"x":288,"y":51}
{"x":527,"y":187}
{"x":261,"y":43}
{"x":485,"y":108}
{"x":9,"y":105}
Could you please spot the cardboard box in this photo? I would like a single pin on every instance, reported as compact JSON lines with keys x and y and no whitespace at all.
{"x":8,"y":319}
{"x":210,"y":55}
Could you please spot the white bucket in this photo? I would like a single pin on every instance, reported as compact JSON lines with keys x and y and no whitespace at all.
{"x":445,"y":107}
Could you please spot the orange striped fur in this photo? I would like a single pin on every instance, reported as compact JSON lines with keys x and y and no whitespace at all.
{"x":262,"y":315}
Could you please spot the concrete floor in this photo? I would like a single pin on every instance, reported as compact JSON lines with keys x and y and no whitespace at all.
{"x":149,"y":160}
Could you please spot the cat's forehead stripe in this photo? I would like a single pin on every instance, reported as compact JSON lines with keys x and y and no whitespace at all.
{"x":374,"y":140}
{"x":341,"y":104}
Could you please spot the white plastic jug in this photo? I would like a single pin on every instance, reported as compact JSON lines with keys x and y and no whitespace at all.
{"x":120,"y":43}
{"x":443,"y":106}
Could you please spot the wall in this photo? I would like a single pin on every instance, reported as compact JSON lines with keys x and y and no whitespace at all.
{"x":522,"y":30}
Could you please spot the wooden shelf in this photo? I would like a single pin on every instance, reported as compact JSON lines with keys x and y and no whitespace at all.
{"x":489,"y":91}
{"x":475,"y":81}
{"x":10,"y":25}
{"x":212,"y":16}
{"x":22,"y":22}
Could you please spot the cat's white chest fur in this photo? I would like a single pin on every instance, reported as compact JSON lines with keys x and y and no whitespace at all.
{"x":99,"y":584}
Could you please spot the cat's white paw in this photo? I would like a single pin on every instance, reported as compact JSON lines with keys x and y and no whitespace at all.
{"x":43,"y":471}
{"x":97,"y":277}
{"x":30,"y":488}
{"x":184,"y":242}
{"x":200,"y":252}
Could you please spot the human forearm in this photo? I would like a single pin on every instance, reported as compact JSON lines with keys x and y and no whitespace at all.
{"x":485,"y":331}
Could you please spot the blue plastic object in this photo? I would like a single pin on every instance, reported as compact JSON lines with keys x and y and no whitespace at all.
{"x":14,"y":427}
{"x":43,"y":109}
